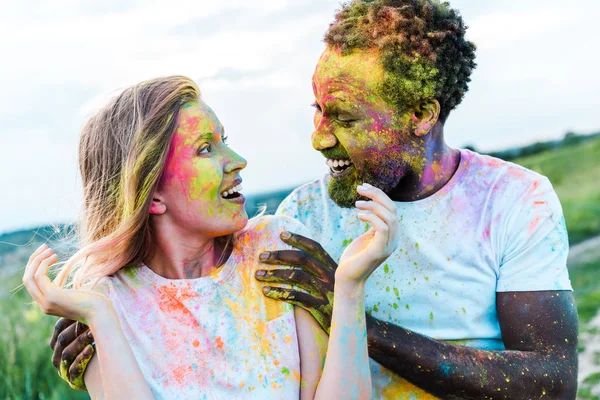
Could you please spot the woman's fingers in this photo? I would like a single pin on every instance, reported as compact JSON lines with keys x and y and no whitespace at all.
{"x":378,"y":210}
{"x":41,"y":274}
{"x":37,"y":252}
{"x":376,"y":222}
{"x":29,"y":276}
{"x":382,"y":206}
{"x":377,"y":195}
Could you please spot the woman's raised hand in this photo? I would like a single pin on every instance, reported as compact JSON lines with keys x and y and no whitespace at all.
{"x":80,"y":305}
{"x":369,"y":250}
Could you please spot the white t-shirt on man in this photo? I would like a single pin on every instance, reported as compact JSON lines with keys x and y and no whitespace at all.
{"x":494,"y":227}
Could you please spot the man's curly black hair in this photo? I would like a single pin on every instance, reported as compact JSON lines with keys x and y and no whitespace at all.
{"x":422,"y":45}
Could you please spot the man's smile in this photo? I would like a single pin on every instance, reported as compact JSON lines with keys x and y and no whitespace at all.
{"x":339,"y":166}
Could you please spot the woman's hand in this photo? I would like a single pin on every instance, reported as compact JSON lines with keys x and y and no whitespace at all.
{"x":80,"y":305}
{"x":369,"y":250}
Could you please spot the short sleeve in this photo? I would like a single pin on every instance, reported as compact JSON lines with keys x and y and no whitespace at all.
{"x":536,"y":244}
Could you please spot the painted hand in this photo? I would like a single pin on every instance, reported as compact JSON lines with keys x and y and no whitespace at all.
{"x":369,"y":250}
{"x":73,"y":350}
{"x":313,"y":270}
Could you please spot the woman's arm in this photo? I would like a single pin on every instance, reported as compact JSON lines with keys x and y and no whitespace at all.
{"x":346,"y":372}
{"x":119,"y":375}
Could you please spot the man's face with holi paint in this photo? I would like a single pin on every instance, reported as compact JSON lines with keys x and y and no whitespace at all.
{"x":354,"y":124}
{"x":201,"y":183}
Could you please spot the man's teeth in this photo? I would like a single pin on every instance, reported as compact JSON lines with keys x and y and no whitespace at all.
{"x":231,"y":191}
{"x":337,"y":163}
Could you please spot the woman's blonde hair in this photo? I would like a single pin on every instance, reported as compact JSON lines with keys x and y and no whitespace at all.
{"x":122,"y":152}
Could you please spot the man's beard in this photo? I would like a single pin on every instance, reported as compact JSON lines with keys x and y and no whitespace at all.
{"x":343,"y":190}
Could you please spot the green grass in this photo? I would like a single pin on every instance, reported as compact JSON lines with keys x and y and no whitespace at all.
{"x":575,"y":174}
{"x":26,"y":370}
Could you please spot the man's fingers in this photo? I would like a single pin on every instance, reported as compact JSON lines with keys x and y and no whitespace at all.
{"x":295,"y":277}
{"x":77,"y":369}
{"x":310,"y":246}
{"x":60,"y":326}
{"x":73,"y":351}
{"x":295,"y":297}
{"x":64,"y":339}
{"x":296,"y":258}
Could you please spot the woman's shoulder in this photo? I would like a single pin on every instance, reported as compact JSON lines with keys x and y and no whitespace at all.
{"x":127,"y":277}
{"x":269,"y":227}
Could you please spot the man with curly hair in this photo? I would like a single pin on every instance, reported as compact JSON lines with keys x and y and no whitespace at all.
{"x":476,"y":302}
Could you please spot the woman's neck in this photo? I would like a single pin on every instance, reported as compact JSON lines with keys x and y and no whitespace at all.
{"x":176,"y":257}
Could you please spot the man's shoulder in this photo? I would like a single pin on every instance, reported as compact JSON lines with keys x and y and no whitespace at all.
{"x":500,"y":174}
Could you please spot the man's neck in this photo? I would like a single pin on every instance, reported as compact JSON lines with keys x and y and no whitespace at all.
{"x":441,"y":162}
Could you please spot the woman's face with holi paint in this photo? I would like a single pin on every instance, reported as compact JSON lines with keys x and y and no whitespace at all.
{"x":200,"y":186}
{"x":364,"y":138}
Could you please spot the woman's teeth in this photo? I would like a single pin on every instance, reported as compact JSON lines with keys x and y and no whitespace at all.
{"x":338,"y":165}
{"x":231,"y":191}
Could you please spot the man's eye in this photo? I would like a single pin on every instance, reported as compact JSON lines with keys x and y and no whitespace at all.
{"x":317,"y":106}
{"x":224,"y":139}
{"x":207,"y":148}
{"x":346,"y":122}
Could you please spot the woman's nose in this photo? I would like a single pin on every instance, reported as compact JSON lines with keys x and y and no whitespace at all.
{"x":235,"y":162}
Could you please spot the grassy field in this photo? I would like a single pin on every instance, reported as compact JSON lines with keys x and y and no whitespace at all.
{"x":27,"y":373}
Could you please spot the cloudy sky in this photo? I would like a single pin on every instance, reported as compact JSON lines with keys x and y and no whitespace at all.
{"x":536,"y":79}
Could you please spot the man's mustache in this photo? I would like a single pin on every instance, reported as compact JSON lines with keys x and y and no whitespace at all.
{"x":335,"y":153}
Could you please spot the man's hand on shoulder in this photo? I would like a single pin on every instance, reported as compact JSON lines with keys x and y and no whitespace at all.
{"x":72,"y":345}
{"x":313,"y":271}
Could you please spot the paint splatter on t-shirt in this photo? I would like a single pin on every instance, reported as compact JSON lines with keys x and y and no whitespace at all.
{"x":494,"y":227}
{"x":215,"y":337}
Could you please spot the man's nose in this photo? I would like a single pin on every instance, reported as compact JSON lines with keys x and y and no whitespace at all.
{"x":322,"y":138}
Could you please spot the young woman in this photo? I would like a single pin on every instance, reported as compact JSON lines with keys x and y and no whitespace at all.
{"x":164,"y":274}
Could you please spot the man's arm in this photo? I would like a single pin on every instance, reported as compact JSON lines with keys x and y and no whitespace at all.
{"x":540,"y":361}
{"x":539,"y":331}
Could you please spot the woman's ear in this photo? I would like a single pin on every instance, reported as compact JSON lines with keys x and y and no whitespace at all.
{"x":158,"y":206}
{"x":425,"y":116}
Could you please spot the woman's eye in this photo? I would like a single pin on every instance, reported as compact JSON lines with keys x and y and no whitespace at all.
{"x":317,"y":106}
{"x":207,"y":148}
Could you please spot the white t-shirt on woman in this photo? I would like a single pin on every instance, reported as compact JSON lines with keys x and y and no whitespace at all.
{"x":215,"y":337}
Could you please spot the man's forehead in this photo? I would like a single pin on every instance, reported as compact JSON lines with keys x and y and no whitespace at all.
{"x":360,"y":68}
